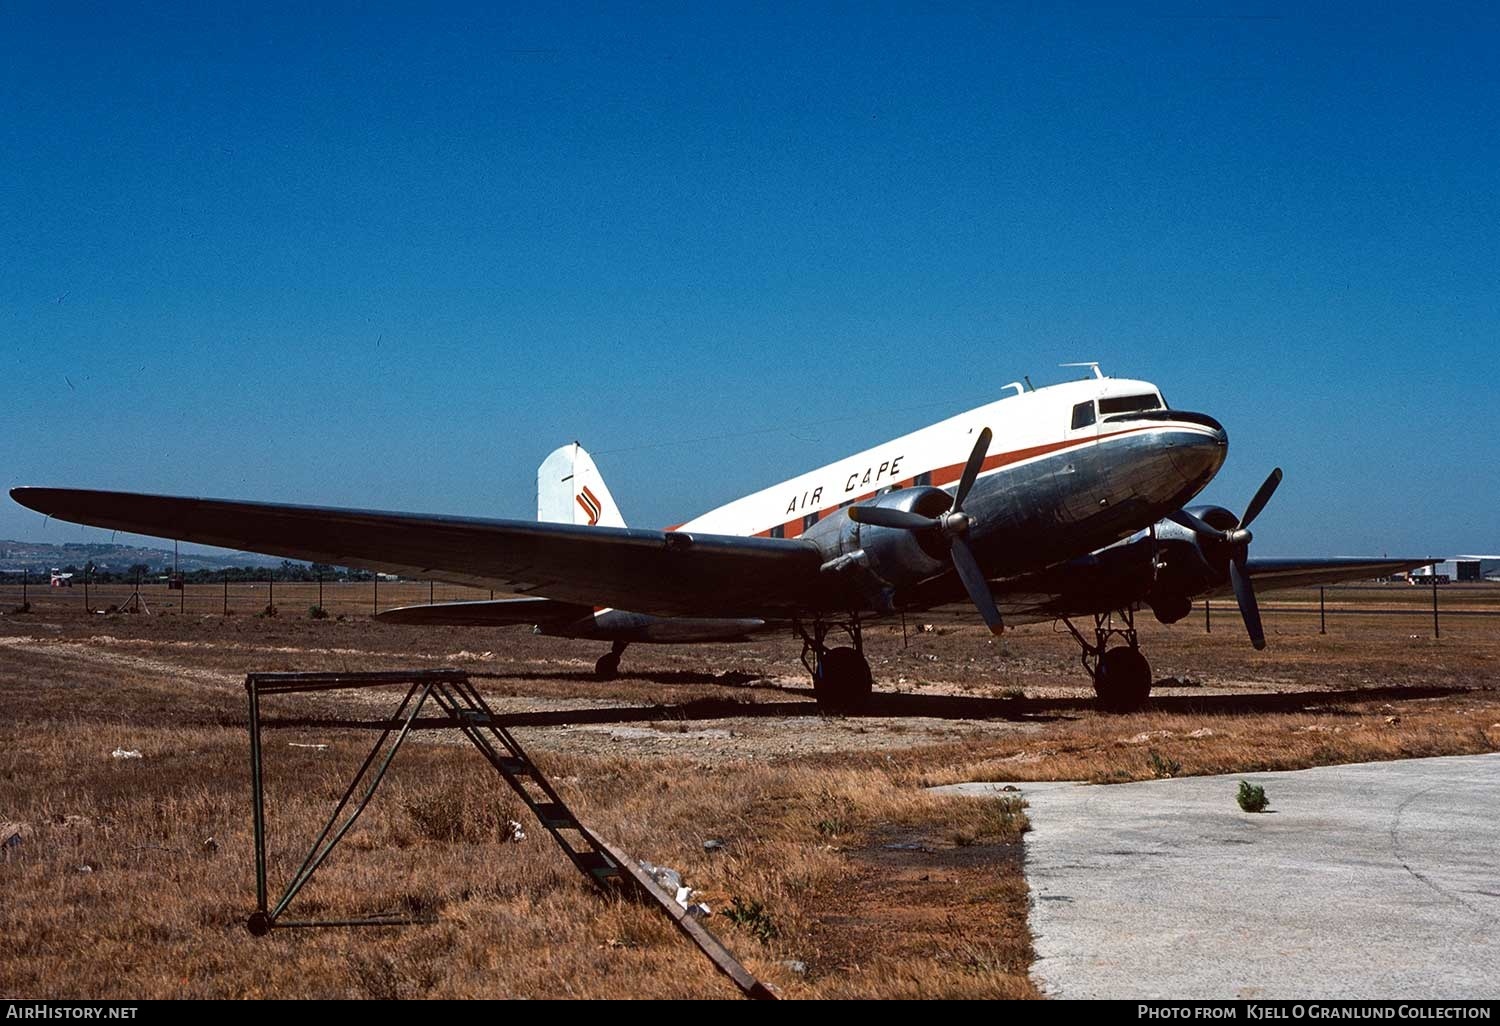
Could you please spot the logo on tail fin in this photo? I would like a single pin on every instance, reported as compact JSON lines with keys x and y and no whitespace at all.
{"x":590,"y":504}
{"x":570,"y":490}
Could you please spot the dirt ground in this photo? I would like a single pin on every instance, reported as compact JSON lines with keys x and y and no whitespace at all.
{"x":131,"y":877}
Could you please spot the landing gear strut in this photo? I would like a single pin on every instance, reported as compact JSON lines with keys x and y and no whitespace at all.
{"x":841,"y":676}
{"x":608,"y":665}
{"x":1122,"y":677}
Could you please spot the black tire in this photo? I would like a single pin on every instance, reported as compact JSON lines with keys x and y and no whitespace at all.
{"x":607,"y":667}
{"x":842,"y":683}
{"x":1123,"y":680}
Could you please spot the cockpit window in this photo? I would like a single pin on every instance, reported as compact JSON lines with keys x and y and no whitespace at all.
{"x":1083,"y":415}
{"x":1128,"y":404}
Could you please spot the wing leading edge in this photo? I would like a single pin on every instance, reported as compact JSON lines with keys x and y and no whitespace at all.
{"x":664,"y":573}
{"x":1271,"y":573}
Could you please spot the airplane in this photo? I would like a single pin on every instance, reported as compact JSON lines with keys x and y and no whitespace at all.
{"x":1079,"y":510}
{"x":60,"y":579}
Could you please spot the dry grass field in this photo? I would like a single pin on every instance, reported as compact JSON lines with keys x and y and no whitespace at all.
{"x":133,"y":876}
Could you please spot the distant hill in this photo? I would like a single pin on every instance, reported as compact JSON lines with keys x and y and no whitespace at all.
{"x":37,"y":557}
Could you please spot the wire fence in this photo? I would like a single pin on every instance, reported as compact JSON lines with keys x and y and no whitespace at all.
{"x":1415,"y":607}
{"x":231,"y":597}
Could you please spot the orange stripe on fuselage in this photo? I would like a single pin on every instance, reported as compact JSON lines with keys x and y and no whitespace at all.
{"x":951,"y":473}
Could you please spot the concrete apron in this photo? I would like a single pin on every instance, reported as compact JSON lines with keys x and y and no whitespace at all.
{"x":1377,"y":880}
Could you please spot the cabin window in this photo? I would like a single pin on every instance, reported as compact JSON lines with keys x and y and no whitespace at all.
{"x":1128,"y":404}
{"x":809,"y":520}
{"x":1083,"y":415}
{"x":779,"y":531}
{"x":924,"y":479}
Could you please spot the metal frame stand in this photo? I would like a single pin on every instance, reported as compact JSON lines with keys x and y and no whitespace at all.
{"x":462,"y":708}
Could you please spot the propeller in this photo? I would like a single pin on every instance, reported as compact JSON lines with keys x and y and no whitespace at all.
{"x":1238,"y":541}
{"x":954,"y":526}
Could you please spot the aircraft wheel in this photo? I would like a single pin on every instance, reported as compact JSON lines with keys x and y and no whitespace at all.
{"x":842,"y":683}
{"x":608,"y":666}
{"x":1123,"y":680}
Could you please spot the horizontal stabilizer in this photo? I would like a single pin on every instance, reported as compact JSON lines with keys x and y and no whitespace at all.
{"x":494,"y":613}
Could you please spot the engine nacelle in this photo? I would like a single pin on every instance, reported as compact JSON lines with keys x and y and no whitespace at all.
{"x":885,"y":561}
{"x":1186,"y":565}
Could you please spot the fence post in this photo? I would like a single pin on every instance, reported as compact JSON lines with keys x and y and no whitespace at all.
{"x":226,"y":591}
{"x":25,"y":579}
{"x":86,"y":568}
{"x":1208,"y":623}
{"x":320,"y":591}
{"x":376,"y":602}
{"x":1436,"y":631}
{"x":270,"y":589}
{"x":1322,"y":614}
{"x":429,"y":592}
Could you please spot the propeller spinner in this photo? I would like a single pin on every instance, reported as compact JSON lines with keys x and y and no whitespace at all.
{"x":954,"y":527}
{"x":1237,"y":541}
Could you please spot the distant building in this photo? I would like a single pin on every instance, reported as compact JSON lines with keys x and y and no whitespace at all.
{"x":1458,"y":569}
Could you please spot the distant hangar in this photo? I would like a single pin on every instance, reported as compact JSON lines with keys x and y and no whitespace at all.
{"x":1459,"y":569}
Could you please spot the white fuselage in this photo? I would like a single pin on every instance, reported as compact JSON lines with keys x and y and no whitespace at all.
{"x":1027,"y":427}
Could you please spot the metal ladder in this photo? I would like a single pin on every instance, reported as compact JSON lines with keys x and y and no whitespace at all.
{"x":464,"y":709}
{"x":464,"y":704}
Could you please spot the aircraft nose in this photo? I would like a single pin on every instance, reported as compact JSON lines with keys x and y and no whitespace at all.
{"x":1198,"y":453}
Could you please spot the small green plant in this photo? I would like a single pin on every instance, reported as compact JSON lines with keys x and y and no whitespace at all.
{"x":269,"y":611}
{"x":1162,"y":768}
{"x":753,"y":916}
{"x":317,"y":613}
{"x":1252,"y":797}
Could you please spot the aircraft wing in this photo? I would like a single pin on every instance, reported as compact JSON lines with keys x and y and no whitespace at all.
{"x":665,"y":573}
{"x":1270,"y":574}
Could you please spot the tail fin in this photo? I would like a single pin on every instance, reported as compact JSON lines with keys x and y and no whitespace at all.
{"x":570,"y":490}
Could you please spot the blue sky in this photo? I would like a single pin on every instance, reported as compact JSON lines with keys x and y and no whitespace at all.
{"x":391,"y":257}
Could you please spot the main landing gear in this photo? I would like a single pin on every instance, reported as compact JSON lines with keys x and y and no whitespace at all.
{"x":841,"y":676}
{"x":608,"y":665}
{"x":1122,"y":677}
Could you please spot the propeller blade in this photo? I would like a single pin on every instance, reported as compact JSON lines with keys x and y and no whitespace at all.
{"x":1262,"y":496}
{"x":975,"y":584}
{"x":1195,"y":524}
{"x":880,"y":516}
{"x":1244,"y":594}
{"x":972,"y":468}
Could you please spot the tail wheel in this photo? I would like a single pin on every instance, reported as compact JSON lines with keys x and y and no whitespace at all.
{"x":608,"y":666}
{"x":1123,"y":680}
{"x":842,"y":682}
